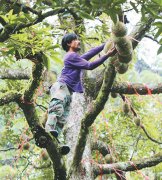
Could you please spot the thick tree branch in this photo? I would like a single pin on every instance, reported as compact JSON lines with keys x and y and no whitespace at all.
{"x":42,"y":138}
{"x":136,"y":88}
{"x":101,"y":147}
{"x":127,"y":166}
{"x":9,"y":97}
{"x":14,"y":74}
{"x":122,"y":88}
{"x":37,"y":77}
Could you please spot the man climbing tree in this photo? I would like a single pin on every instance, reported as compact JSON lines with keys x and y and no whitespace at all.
{"x":70,"y":81}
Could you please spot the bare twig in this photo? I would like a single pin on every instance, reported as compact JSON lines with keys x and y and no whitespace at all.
{"x":144,"y":129}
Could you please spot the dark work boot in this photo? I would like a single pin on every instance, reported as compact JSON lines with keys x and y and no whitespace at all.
{"x":54,"y":133}
{"x":64,"y":149}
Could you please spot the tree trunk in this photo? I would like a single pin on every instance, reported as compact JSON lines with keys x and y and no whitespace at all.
{"x":77,"y":111}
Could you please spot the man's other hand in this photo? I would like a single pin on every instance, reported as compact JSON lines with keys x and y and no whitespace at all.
{"x":111,"y":52}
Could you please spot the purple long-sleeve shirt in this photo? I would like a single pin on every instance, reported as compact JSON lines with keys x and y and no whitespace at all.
{"x":74,"y":64}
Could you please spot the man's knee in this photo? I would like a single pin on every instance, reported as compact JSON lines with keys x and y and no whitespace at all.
{"x":56,"y":107}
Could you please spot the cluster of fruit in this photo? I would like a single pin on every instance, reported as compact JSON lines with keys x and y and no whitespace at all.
{"x":123,"y":45}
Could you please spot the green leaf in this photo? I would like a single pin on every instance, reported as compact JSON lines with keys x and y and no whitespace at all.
{"x":160,"y":42}
{"x":159,"y":2}
{"x":158,"y":33}
{"x":28,"y":17}
{"x":10,"y":13}
{"x":150,"y":10}
{"x":53,"y":47}
{"x":159,"y":50}
{"x":118,"y":2}
{"x":113,"y":16}
{"x":158,"y":24}
{"x":134,"y":6}
{"x":143,"y":12}
{"x":85,"y":15}
{"x":55,"y":58}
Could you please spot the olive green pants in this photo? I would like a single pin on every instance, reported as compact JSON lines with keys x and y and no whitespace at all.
{"x":58,"y":108}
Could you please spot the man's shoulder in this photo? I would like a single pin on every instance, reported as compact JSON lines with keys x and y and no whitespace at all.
{"x":71,"y":55}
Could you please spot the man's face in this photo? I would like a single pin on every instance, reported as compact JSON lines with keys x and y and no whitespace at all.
{"x":74,"y":45}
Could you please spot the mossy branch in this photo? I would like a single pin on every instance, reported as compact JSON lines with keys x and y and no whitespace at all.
{"x":42,"y":138}
{"x":14,"y":74}
{"x":136,"y":88}
{"x":127,"y":166}
{"x":37,"y":72}
{"x":11,"y":96}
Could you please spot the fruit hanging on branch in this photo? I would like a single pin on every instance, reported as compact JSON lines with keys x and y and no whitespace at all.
{"x":109,"y":159}
{"x":125,"y":59}
{"x":114,"y":95}
{"x":26,"y":146}
{"x":122,"y":68}
{"x":126,"y":108}
{"x":119,"y":29}
{"x":137,"y":121}
{"x":123,"y":46}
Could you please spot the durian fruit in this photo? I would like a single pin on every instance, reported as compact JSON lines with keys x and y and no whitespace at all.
{"x":125,"y":59}
{"x":108,"y":45}
{"x":137,"y":121}
{"x":114,"y":95}
{"x":119,"y":29}
{"x":26,"y":146}
{"x":126,"y":108}
{"x":122,"y":68}
{"x":109,"y":159}
{"x":123,"y":45}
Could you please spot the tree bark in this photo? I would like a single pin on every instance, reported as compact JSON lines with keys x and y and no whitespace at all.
{"x":78,"y":107}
